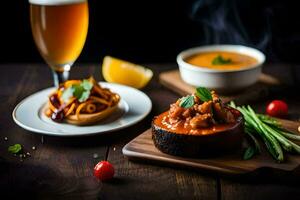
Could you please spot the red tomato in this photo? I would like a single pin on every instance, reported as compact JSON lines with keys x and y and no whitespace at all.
{"x":104,"y":171}
{"x":277,"y":108}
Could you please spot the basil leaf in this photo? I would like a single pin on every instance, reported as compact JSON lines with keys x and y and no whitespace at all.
{"x":67,"y":94}
{"x":86,"y":84}
{"x":203,"y":93}
{"x":187,"y":102}
{"x":16,"y":148}
{"x":84,"y":96}
{"x":249,"y":153}
{"x":78,"y":90}
{"x":219,"y":60}
{"x":81,"y":91}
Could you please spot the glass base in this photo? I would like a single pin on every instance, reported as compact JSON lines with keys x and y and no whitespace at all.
{"x":61,"y":73}
{"x":60,"y":77}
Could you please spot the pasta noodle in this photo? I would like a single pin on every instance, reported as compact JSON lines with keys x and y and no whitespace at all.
{"x":90,"y":108}
{"x":70,"y":110}
{"x":71,"y":103}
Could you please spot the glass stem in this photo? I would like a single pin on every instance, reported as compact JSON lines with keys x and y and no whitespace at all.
{"x":60,"y":77}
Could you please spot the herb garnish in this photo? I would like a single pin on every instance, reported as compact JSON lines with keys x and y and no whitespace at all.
{"x":16,"y":148}
{"x":80,"y":91}
{"x":249,"y":153}
{"x":187,"y":101}
{"x":203,"y":93}
{"x":67,"y":93}
{"x":219,"y":60}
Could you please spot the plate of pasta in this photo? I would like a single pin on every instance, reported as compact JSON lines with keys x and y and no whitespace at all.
{"x":82,"y":107}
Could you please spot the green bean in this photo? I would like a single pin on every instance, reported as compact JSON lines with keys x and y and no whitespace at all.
{"x":271,"y":149}
{"x":295,"y":147}
{"x":266,"y":128}
{"x":288,"y":134}
{"x":269,"y":120}
{"x":271,"y":143}
{"x":232,"y":104}
{"x":270,"y":131}
{"x":256,"y":143}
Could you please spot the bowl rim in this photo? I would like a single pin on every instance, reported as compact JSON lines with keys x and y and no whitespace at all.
{"x":257,"y":54}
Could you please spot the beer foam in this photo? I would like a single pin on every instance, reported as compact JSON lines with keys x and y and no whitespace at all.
{"x":55,"y":2}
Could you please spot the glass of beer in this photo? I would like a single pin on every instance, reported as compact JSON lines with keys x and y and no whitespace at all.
{"x":59,"y":29}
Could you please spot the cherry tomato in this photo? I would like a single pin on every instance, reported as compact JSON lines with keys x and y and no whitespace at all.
{"x":277,"y":108}
{"x":104,"y":170}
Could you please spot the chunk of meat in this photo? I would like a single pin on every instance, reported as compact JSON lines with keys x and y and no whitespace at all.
{"x":219,"y":112}
{"x":175,"y":111}
{"x":188,"y":113}
{"x":196,"y":99}
{"x":201,"y":114}
{"x":215,"y":97}
{"x":229,"y":117}
{"x":223,"y":114}
{"x":206,"y":107}
{"x":200,"y":121}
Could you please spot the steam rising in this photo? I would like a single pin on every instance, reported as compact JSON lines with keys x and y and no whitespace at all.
{"x":222,"y":24}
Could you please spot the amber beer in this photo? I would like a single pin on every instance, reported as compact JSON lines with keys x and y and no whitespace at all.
{"x":59,"y":29}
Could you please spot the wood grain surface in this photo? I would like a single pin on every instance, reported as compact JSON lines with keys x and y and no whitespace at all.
{"x":142,"y":148}
{"x":62,"y":168}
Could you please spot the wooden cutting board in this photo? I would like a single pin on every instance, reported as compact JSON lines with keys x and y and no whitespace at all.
{"x":172,"y":80}
{"x":142,"y":148}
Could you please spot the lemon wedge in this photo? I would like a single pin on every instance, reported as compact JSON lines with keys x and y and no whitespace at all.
{"x":119,"y":71}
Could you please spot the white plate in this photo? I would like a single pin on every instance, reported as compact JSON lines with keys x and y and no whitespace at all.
{"x":133,"y":107}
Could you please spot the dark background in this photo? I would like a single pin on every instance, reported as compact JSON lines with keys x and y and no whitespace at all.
{"x":157,"y":30}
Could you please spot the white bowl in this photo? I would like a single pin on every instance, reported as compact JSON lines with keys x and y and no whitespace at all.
{"x":221,"y":80}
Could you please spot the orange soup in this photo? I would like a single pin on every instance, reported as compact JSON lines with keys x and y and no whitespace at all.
{"x":221,"y":60}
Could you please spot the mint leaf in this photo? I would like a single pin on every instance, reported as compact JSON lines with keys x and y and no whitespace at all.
{"x":219,"y":60}
{"x":86,"y":84}
{"x":67,"y":94}
{"x":84,"y":96}
{"x":249,"y":153}
{"x":203,"y":93}
{"x":16,"y":148}
{"x":187,"y":101}
{"x":80,"y":91}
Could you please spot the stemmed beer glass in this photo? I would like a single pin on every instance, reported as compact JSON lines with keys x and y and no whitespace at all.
{"x":59,"y":29}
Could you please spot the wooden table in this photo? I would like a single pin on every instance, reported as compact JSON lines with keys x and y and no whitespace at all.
{"x":62,"y":168}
